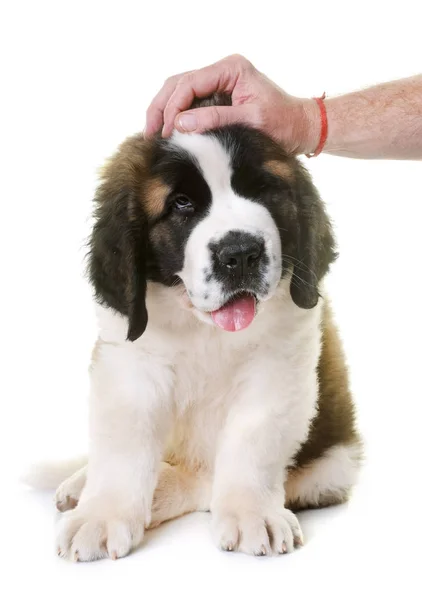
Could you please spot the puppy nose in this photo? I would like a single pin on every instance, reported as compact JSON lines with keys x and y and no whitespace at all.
{"x":241,"y":256}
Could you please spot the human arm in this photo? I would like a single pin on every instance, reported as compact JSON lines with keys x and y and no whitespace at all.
{"x":384,"y":121}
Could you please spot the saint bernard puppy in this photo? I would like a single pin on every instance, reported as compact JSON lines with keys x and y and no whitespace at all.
{"x":218,"y":381}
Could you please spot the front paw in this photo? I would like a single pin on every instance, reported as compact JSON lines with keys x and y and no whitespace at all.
{"x":256,"y":530}
{"x":97,"y":529}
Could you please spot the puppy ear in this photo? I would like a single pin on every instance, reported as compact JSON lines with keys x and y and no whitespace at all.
{"x":315,"y":246}
{"x":136,"y":261}
{"x":118,"y":245}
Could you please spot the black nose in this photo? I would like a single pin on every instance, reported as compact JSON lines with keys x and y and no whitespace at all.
{"x":240,"y":254}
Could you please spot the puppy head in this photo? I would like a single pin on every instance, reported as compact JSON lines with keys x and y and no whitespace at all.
{"x":226,"y":214}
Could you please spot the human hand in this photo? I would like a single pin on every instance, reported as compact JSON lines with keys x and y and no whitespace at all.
{"x":256,"y":101}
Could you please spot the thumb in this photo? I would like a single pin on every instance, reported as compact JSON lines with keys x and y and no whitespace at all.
{"x":201,"y":119}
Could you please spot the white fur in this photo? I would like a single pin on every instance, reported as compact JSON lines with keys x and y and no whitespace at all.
{"x":50,"y":475}
{"x":235,"y":405}
{"x":331,"y":475}
{"x":231,"y":407}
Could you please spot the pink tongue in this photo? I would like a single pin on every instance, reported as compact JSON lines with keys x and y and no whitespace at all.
{"x":236,"y":314}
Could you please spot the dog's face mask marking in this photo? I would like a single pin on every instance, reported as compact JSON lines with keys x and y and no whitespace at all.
{"x":232,"y":257}
{"x":225,"y":214}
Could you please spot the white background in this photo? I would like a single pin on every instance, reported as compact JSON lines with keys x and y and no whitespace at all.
{"x":76,"y":78}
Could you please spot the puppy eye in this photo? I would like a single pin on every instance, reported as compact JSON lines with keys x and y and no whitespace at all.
{"x":182,"y":204}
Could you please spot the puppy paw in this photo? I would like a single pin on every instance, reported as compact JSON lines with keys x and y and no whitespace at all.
{"x":261,"y":533}
{"x":95,"y":530}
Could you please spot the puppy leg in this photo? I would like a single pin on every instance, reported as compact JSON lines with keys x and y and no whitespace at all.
{"x":130,"y":414}
{"x":178,"y":492}
{"x":262,"y":433}
{"x":249,"y":514}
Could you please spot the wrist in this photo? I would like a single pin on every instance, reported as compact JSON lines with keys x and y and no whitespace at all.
{"x":310,"y":133}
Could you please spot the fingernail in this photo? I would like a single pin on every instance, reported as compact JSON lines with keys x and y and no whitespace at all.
{"x":187,"y":122}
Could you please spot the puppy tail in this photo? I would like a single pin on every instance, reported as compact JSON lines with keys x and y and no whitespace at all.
{"x":49,"y":475}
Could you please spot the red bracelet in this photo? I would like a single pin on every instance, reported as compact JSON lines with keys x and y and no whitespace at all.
{"x":324,"y":126}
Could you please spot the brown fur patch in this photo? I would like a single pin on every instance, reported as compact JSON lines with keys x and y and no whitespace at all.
{"x":280,"y":169}
{"x":155,"y":194}
{"x":217,"y":99}
{"x":127,"y":168}
{"x":335,"y":421}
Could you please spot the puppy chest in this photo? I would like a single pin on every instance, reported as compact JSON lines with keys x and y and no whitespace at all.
{"x":203,"y":394}
{"x":205,"y":374}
